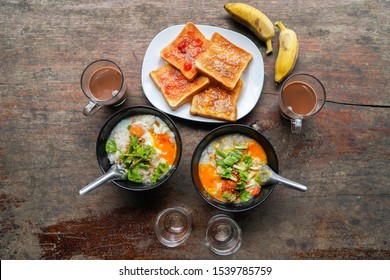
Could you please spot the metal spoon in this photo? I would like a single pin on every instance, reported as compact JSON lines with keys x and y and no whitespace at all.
{"x":114,"y":173}
{"x":268,"y":176}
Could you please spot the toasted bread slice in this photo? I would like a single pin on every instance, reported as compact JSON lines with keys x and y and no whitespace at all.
{"x":223,"y":61}
{"x":175,"y":88}
{"x":184,"y":49}
{"x":217,"y":102}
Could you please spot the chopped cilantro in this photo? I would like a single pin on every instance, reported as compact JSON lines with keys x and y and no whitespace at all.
{"x":111,"y":146}
{"x":137,"y":156}
{"x":133,"y":175}
{"x":161,"y":169}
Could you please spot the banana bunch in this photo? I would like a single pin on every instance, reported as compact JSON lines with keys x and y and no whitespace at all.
{"x":263,"y":28}
{"x":255,"y":20}
{"x":288,"y":52}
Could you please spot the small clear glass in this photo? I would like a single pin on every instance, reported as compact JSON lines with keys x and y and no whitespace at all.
{"x":173,"y":226}
{"x":223,"y":235}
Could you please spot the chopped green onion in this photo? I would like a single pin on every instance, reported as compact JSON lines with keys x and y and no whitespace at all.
{"x":240,"y":166}
{"x":235,"y":153}
{"x":240,"y":147}
{"x":227,"y":173}
{"x":243,"y":175}
{"x":229,"y":196}
{"x":247,"y":160}
{"x":221,"y":153}
{"x":251,"y":175}
{"x":233,"y":178}
{"x":230,"y":160}
{"x":245,"y":196}
{"x":252,"y":183}
{"x":240,"y":186}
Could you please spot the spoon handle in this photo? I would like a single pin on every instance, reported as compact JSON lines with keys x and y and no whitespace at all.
{"x":288,"y":183}
{"x":112,"y":174}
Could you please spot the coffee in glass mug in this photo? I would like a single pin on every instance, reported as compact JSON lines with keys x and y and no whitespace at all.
{"x":103,"y":83}
{"x":301,"y":96}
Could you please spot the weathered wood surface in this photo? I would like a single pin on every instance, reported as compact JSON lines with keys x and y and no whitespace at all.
{"x":47,"y":147}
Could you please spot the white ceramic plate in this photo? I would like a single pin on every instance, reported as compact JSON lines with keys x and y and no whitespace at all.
{"x":253,"y":76}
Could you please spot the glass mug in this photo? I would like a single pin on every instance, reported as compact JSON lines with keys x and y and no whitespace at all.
{"x":301,"y":96}
{"x":103,"y":83}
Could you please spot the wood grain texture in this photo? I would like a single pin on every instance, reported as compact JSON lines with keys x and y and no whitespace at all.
{"x":47,"y":147}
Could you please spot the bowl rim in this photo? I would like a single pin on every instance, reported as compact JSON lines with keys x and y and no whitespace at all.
{"x":157,"y":113}
{"x":227,"y":126}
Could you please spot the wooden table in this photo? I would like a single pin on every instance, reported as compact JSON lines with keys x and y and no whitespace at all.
{"x":47,"y":146}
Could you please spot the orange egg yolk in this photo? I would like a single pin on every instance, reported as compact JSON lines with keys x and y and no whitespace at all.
{"x":209,"y":178}
{"x":168,"y":148}
{"x":137,"y":130}
{"x":256,"y":151}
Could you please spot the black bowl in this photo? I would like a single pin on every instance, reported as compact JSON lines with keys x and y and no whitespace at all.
{"x":231,"y":129}
{"x":105,"y":132}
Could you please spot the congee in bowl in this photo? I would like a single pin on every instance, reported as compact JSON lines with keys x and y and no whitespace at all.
{"x":145,"y":142}
{"x":144,"y":145}
{"x":229,"y":168}
{"x":226,"y":167}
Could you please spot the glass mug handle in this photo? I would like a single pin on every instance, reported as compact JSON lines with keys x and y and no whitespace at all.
{"x":296,"y":125}
{"x":91,"y":108}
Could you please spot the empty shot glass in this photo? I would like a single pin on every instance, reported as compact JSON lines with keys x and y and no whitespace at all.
{"x":223,"y":235}
{"x":173,"y":226}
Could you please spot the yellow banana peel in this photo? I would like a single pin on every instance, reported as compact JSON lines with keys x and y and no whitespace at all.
{"x":288,"y":52}
{"x":253,"y":19}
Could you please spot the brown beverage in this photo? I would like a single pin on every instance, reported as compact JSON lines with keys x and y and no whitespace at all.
{"x":299,"y":97}
{"x":105,"y":83}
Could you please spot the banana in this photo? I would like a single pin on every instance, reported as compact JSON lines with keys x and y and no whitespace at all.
{"x":288,"y":52}
{"x":255,"y":20}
